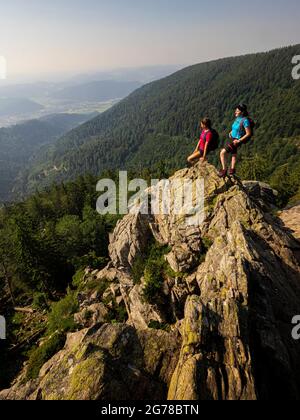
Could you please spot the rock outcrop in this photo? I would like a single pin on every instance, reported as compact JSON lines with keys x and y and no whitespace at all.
{"x":226,"y":306}
{"x":291,"y":219}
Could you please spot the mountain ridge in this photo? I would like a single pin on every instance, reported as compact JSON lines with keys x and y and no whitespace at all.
{"x":172,"y":107}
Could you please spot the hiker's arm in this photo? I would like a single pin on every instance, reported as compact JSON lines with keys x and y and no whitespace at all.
{"x":209,"y":138}
{"x":246,"y":136}
{"x":205,"y":151}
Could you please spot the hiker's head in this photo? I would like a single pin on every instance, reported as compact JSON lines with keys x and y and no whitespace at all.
{"x":206,"y":124}
{"x":241,"y":111}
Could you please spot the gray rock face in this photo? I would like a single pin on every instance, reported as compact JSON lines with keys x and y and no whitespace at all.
{"x":108,"y":362}
{"x":291,"y":219}
{"x":234,"y":291}
{"x":129,"y":240}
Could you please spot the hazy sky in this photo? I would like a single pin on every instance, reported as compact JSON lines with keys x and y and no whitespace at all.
{"x":42,"y":36}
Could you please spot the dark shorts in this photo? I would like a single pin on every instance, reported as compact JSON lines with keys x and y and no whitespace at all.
{"x":231,"y":148}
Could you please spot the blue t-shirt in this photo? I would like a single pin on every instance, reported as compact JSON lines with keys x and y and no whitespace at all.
{"x":239,"y":129}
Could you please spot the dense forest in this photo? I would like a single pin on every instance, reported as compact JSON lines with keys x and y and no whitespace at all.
{"x":19,"y":145}
{"x":46,"y":243}
{"x":160,"y":121}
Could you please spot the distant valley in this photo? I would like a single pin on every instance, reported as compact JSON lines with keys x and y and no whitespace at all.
{"x":85,"y":93}
{"x":25,"y":102}
{"x":16,"y":107}
{"x":22,"y":143}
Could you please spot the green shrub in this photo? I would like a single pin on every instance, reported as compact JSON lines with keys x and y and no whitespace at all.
{"x":207,"y":244}
{"x":91,"y":260}
{"x":78,"y":278}
{"x":138,"y":269}
{"x":99,"y":286}
{"x":173,"y":274}
{"x":155,"y":272}
{"x":18,"y":318}
{"x":154,"y":280}
{"x":117,"y":314}
{"x":61,"y":317}
{"x":44,"y":353}
{"x":40,"y":301}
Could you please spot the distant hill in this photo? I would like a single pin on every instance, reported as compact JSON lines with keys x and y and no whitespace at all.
{"x":19,"y":145}
{"x":83,"y":93}
{"x":145,"y":74}
{"x":25,"y":102}
{"x":17,"y":106}
{"x":160,"y":120}
{"x":27,"y":90}
{"x":97,"y":91}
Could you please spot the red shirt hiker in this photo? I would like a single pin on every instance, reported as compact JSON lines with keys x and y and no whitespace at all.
{"x":205,"y":137}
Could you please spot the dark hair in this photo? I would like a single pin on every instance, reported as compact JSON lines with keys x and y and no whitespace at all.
{"x":207,"y":123}
{"x":244,"y":109}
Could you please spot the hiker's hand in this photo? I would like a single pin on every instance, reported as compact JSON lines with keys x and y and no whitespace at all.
{"x":236,"y":142}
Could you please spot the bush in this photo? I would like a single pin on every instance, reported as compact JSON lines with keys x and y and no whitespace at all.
{"x":155,"y":272}
{"x":61,"y":317}
{"x":138,"y":269}
{"x":99,"y":286}
{"x":90,"y":260}
{"x":206,"y":244}
{"x":44,"y":353}
{"x":78,"y":278}
{"x":117,"y":314}
{"x":18,"y":318}
{"x":40,"y":301}
{"x":154,"y":280}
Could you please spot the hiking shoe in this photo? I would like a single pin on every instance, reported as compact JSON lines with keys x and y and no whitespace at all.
{"x":222,"y":173}
{"x":232,"y":172}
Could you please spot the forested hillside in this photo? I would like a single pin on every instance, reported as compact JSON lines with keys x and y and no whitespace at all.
{"x":160,"y":122}
{"x":20,"y":143}
{"x":46,"y":243}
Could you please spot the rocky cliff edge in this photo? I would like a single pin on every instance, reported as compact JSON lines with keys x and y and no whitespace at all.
{"x":220,"y":327}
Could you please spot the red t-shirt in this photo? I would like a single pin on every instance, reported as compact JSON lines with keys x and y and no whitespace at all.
{"x":206,"y":136}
